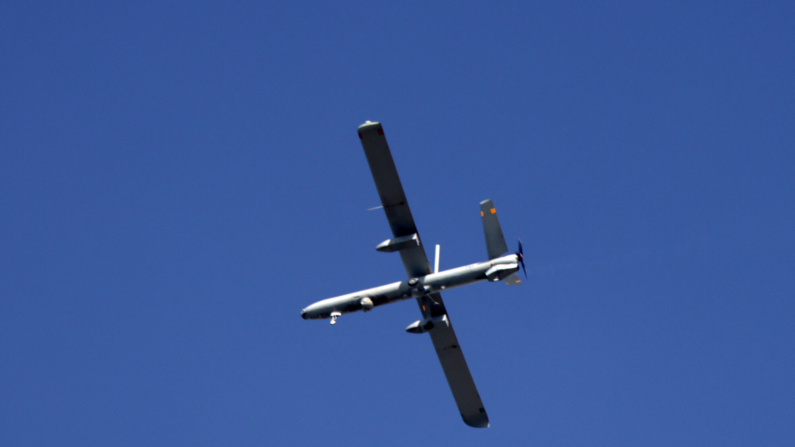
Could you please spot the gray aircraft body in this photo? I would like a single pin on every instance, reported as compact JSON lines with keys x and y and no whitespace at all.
{"x":423,"y":283}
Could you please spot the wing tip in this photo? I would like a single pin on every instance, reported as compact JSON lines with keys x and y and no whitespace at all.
{"x":369,"y":125}
{"x":477,"y":421}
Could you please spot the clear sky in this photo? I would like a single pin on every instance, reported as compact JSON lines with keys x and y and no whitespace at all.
{"x":177,"y":181}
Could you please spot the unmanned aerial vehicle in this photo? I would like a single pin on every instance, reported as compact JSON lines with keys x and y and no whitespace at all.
{"x":423,"y":283}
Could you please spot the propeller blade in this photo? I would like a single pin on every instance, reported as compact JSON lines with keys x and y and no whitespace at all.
{"x":520,"y":255}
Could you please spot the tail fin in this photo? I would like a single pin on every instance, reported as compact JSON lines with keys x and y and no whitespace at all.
{"x":495,"y":241}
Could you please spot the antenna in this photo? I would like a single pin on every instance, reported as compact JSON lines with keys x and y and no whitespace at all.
{"x":436,"y":264}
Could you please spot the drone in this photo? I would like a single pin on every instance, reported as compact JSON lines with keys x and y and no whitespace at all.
{"x":424,"y":284}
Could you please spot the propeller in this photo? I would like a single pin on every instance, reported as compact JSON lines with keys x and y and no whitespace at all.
{"x":520,"y":255}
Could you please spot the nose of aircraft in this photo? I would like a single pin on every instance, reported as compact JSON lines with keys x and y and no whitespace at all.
{"x":303,"y":314}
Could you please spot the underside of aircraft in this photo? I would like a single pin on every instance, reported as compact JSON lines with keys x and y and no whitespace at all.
{"x":423,"y":283}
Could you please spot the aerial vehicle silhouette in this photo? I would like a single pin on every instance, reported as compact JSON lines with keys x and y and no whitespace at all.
{"x":423,"y":283}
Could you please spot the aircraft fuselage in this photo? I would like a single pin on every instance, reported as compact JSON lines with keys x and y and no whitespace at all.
{"x":493,"y":270}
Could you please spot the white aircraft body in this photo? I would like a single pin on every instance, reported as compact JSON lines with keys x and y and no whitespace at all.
{"x":425,"y":284}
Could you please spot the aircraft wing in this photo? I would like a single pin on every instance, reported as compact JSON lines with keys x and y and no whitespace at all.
{"x":392,"y":196}
{"x":455,"y":368}
{"x":416,"y":263}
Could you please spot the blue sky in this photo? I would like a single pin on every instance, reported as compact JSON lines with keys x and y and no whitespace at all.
{"x":179,"y":180}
